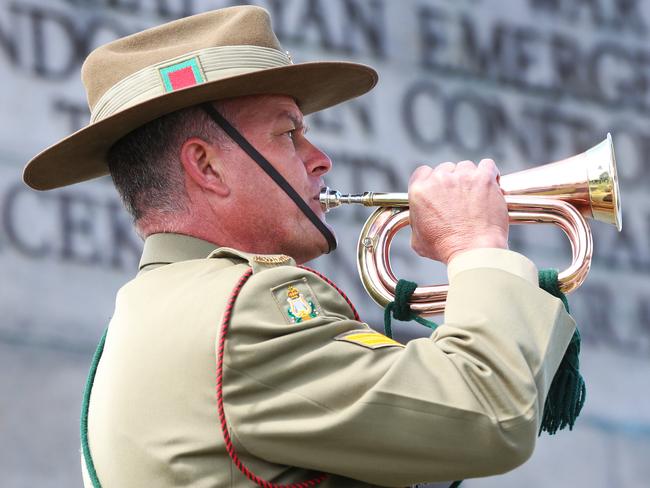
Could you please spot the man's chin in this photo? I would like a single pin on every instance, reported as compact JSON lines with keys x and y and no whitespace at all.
{"x":318,"y":248}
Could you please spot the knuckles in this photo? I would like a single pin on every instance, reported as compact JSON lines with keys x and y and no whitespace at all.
{"x":446,"y":167}
{"x":466,"y":167}
{"x":417,"y":189}
{"x":484,"y":179}
{"x":467,"y":174}
{"x":420,"y":173}
{"x":488,"y":164}
{"x":419,"y":181}
{"x":445,"y":217}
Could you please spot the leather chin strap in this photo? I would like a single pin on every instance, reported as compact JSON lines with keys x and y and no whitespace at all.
{"x":263,"y":163}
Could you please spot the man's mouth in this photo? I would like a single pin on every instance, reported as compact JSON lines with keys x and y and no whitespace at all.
{"x":316,"y":198}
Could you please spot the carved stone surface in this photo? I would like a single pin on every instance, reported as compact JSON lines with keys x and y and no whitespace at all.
{"x":522,"y":81}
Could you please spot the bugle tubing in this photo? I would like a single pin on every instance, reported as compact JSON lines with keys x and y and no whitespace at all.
{"x":563,"y":193}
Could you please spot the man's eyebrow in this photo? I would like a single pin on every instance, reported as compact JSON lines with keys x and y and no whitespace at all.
{"x":298,"y":122}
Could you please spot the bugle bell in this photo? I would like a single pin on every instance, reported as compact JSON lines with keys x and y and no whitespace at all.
{"x":563,"y":193}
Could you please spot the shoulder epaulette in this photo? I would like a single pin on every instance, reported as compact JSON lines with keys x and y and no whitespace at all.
{"x":258,"y":262}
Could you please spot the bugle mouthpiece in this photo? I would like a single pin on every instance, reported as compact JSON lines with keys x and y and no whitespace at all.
{"x":330,"y":199}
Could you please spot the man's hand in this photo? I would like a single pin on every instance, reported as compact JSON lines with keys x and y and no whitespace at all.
{"x":455,"y":208}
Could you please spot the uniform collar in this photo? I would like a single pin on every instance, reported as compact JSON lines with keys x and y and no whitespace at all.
{"x":160,"y":249}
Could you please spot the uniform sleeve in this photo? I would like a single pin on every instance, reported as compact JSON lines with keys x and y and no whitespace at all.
{"x":465,"y":402}
{"x":503,"y":259}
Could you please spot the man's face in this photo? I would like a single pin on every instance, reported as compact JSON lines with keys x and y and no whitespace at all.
{"x":271,"y":221}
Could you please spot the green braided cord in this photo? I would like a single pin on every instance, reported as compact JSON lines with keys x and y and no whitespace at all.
{"x":388,"y":330}
{"x":90,"y":466}
{"x":566,"y":396}
{"x":400,"y":309}
{"x":567,"y":393}
{"x":548,"y":282}
{"x":427,"y":323}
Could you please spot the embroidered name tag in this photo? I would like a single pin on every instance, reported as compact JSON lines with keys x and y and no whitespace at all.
{"x":297,"y":301}
{"x":272,"y":260}
{"x":370,"y":339}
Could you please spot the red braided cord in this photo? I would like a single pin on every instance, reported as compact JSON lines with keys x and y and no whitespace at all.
{"x":222,"y":415}
{"x":331,"y":283}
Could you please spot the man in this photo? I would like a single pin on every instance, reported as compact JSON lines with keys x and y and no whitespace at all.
{"x":226,"y":364}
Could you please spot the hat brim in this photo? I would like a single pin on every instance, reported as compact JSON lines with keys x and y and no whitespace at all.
{"x":82,"y":155}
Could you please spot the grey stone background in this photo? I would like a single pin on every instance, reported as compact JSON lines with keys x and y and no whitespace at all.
{"x":522,"y":81}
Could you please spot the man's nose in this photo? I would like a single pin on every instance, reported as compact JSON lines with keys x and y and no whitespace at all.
{"x":316,"y":161}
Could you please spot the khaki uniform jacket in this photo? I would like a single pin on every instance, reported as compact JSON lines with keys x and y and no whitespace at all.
{"x":307,"y":387}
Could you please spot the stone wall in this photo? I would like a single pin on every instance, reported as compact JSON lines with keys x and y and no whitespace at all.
{"x":521,"y":81}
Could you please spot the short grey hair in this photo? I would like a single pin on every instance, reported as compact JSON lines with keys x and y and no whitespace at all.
{"x":145,"y":165}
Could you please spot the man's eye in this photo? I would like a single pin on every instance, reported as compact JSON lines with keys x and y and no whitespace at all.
{"x":291,"y":134}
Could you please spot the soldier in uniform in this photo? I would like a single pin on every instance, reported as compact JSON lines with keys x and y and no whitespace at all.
{"x":226,"y":363}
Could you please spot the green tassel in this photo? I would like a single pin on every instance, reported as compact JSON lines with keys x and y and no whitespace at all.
{"x":566,"y":396}
{"x":567,"y":393}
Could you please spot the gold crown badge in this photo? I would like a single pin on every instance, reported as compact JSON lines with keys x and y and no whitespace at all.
{"x":293,"y":292}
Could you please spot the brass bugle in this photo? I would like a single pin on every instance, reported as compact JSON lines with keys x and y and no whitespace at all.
{"x":563,"y":193}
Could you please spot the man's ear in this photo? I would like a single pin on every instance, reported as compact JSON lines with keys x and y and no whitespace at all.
{"x":199,"y":158}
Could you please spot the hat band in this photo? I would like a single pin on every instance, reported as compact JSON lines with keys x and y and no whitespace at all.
{"x":202,"y":66}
